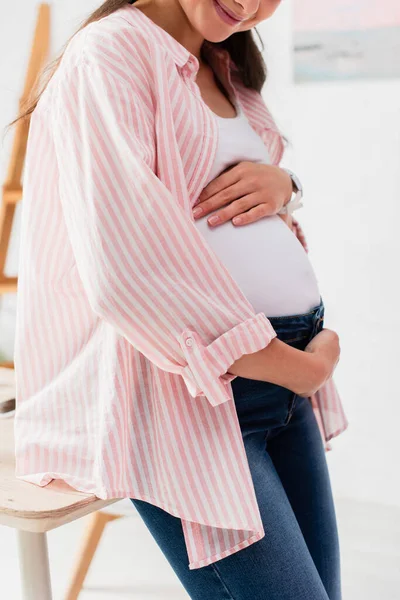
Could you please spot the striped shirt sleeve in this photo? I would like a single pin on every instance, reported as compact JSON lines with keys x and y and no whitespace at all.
{"x":299,"y":233}
{"x":144,"y":266}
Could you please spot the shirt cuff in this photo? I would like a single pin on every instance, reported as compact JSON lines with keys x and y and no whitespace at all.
{"x":205,"y":373}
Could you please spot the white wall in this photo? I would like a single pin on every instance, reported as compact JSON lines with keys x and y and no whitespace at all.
{"x":346,"y":149}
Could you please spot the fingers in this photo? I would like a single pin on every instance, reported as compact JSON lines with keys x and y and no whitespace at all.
{"x":253,"y":214}
{"x":235,"y":192}
{"x":242,"y":211}
{"x":226,"y":179}
{"x":239,"y":194}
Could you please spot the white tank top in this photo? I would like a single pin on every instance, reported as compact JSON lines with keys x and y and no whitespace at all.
{"x":265,"y":258}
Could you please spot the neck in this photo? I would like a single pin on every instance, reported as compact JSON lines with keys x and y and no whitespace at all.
{"x":169,"y":15}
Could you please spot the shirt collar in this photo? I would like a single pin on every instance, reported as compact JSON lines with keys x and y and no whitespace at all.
{"x":181,"y":55}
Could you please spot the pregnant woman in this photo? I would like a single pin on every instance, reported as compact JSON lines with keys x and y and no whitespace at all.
{"x":159,"y":358}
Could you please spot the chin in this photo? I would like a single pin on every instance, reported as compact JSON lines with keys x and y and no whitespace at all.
{"x":217,"y":33}
{"x":215,"y":39}
{"x":209,"y":25}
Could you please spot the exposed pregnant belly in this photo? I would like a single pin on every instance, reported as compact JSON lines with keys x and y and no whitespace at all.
{"x":268,"y":263}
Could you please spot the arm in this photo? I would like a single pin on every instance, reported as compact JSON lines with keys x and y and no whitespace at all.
{"x":144,"y":266}
{"x":283,"y":365}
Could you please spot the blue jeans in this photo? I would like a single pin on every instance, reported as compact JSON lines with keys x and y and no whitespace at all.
{"x":298,"y":558}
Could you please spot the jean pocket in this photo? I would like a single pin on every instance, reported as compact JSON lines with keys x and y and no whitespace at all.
{"x":243,"y":385}
{"x":297,"y":338}
{"x":262,"y":405}
{"x":299,"y":341}
{"x":292,"y":335}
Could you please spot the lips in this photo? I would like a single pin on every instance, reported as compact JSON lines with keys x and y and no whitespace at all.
{"x":229,"y":12}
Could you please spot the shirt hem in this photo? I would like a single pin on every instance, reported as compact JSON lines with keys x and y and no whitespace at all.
{"x":89,"y":487}
{"x":197,"y":564}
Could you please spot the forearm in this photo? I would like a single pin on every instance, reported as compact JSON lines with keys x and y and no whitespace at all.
{"x":278,"y":363}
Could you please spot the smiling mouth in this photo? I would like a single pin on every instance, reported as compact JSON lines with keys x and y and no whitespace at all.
{"x":226,"y":16}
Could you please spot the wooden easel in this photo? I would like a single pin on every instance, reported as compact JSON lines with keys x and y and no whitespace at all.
{"x":12,"y":188}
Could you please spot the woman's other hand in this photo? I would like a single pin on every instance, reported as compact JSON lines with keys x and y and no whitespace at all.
{"x":248,"y":191}
{"x":325,"y":351}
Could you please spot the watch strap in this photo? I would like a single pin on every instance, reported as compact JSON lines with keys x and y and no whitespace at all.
{"x":296,"y":201}
{"x":293,"y":204}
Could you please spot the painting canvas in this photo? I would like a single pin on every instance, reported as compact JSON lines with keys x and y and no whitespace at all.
{"x":346,"y":39}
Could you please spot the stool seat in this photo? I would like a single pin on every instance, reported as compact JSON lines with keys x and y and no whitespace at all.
{"x":33,"y":510}
{"x":27,"y":506}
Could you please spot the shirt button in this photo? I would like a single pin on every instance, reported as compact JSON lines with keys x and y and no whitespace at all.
{"x":189,"y":342}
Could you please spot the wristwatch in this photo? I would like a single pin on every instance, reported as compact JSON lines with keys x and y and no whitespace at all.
{"x":297,"y":196}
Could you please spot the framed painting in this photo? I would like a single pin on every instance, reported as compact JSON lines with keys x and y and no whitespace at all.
{"x":346,"y":39}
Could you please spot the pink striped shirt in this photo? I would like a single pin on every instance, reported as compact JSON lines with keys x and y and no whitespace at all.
{"x":126,"y":320}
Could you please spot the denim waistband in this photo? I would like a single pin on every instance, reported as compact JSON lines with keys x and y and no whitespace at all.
{"x":310,"y":322}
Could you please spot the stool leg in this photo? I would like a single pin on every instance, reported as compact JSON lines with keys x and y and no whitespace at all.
{"x":97,"y":522}
{"x":34,"y":565}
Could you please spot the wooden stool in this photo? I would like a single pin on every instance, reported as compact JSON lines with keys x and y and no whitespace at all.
{"x":33,"y":511}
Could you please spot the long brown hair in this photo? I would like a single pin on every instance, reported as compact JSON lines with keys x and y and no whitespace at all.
{"x":241,"y":47}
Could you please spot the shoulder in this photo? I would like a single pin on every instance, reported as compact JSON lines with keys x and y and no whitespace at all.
{"x":112,"y":45}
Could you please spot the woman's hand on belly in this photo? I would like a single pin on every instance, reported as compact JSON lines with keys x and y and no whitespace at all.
{"x":248,"y":191}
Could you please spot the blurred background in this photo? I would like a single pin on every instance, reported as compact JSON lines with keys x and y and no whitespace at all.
{"x":334,"y":90}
